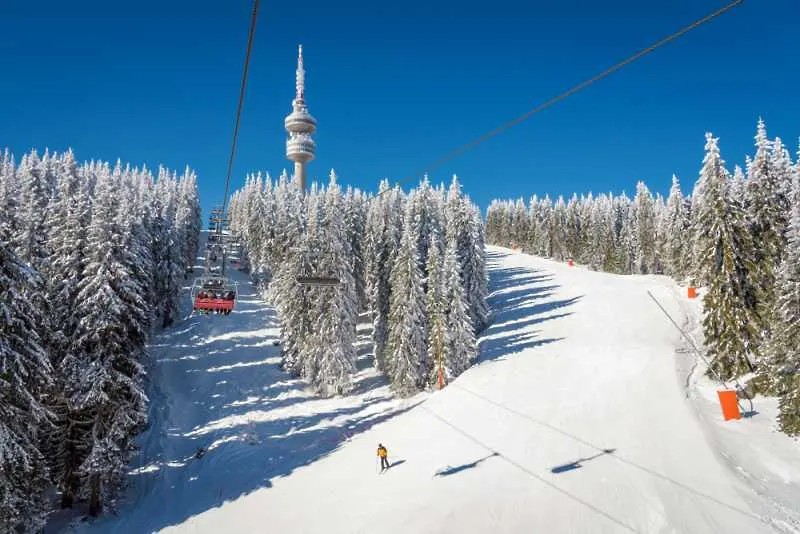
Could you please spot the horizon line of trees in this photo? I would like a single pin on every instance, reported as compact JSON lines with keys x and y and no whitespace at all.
{"x":737,"y":234}
{"x":413,"y":262}
{"x":92,"y":258}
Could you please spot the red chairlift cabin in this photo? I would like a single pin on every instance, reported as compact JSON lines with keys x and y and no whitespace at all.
{"x":214,"y":294}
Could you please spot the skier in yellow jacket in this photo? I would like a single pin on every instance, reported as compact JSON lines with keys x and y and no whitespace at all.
{"x":383,"y":453}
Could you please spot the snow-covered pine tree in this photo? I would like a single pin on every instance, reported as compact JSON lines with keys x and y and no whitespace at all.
{"x":406,"y":344}
{"x":31,"y":241}
{"x":257,"y":243}
{"x":598,"y":232}
{"x":529,"y":243}
{"x":519,"y":222}
{"x":138,"y":202}
{"x":168,"y":250}
{"x":689,"y":267}
{"x":35,"y":181}
{"x":355,"y":225}
{"x":474,"y":275}
{"x":503,"y":223}
{"x":644,"y":230}
{"x":288,"y":215}
{"x":738,"y":184}
{"x":585,"y":253}
{"x":573,"y":229}
{"x":465,"y":228}
{"x":427,"y":220}
{"x":188,"y":218}
{"x":233,"y":209}
{"x":392,"y":205}
{"x":378,"y":269}
{"x":725,"y":252}
{"x":8,"y":197}
{"x":661,"y":233}
{"x":436,"y":308}
{"x":493,"y":222}
{"x":68,"y":240}
{"x":768,"y":219}
{"x":458,"y":226}
{"x":784,"y":345}
{"x":461,"y":346}
{"x":25,"y":374}
{"x":675,"y":237}
{"x":332,"y":354}
{"x":440,"y":196}
{"x":611,"y":239}
{"x":47,"y":169}
{"x":268,"y":230}
{"x":291,"y":301}
{"x":293,"y":250}
{"x":695,"y":205}
{"x":544,"y":221}
{"x":108,"y":343}
{"x":623,"y":235}
{"x":558,"y":230}
{"x":64,"y":233}
{"x":782,"y":167}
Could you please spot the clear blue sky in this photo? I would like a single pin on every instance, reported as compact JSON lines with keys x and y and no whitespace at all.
{"x":396,"y":85}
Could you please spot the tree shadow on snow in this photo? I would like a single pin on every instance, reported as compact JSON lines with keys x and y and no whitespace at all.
{"x":499,"y":348}
{"x":232,"y":420}
{"x":502,"y":279}
{"x":515,"y":311}
{"x":512,"y":298}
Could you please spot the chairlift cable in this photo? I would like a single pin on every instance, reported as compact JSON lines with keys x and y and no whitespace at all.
{"x":224,"y":302}
{"x":541,"y":107}
{"x":239,"y":108}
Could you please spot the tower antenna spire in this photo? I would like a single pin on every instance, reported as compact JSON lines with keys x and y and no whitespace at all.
{"x":301,"y":76}
{"x":299,"y":124}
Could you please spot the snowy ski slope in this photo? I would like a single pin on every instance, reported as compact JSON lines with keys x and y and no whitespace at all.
{"x":576,"y":419}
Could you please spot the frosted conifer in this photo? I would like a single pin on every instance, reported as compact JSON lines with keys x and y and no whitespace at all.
{"x":461,"y":345}
{"x":406,"y":344}
{"x":784,"y":346}
{"x":725,"y":253}
{"x":674,"y":231}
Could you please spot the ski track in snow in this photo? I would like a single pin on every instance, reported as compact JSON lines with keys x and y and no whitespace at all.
{"x":574,"y":419}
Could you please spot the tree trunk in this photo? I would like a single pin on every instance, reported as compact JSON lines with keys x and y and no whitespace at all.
{"x":71,"y":480}
{"x":94,"y":495}
{"x":167,"y":317}
{"x":67,"y":499}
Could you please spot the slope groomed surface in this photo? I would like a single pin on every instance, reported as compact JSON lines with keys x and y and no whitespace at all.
{"x":575,"y":419}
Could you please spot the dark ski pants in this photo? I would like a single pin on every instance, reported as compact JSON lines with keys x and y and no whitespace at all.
{"x":384,"y":462}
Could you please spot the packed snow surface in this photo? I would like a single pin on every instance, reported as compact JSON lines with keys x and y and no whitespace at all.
{"x":577,"y":418}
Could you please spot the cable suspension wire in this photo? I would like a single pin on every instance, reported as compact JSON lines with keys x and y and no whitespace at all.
{"x":525,"y":116}
{"x":239,"y":109}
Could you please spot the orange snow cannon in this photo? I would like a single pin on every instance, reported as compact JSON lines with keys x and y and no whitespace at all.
{"x":730,"y":404}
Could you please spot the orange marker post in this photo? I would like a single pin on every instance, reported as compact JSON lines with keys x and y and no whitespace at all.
{"x":692,"y":293}
{"x":729,"y":403}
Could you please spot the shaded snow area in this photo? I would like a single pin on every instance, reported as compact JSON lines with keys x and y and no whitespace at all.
{"x":218,"y":386}
{"x":576,"y":418}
